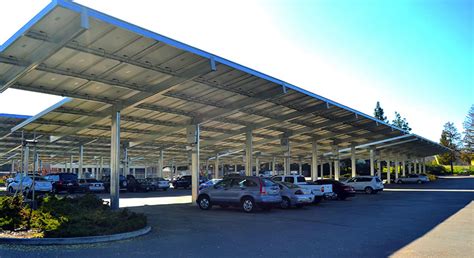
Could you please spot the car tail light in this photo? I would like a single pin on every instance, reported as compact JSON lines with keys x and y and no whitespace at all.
{"x":263,"y":191}
{"x":322,"y":189}
{"x":299,"y":192}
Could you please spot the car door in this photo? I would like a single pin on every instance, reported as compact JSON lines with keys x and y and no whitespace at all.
{"x":218,"y":192}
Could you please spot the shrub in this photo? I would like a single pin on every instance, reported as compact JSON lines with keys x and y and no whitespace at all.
{"x":68,"y":217}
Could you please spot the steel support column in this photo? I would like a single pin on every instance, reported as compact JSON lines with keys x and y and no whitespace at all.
{"x":248,"y":153}
{"x":257,"y":165}
{"x":80,"y":172}
{"x":372,"y":162}
{"x":379,"y":168}
{"x":314,"y":161}
{"x":397,"y":169}
{"x":274,"y":166}
{"x":331,"y":169}
{"x":194,"y":162}
{"x":424,"y":165}
{"x":160,"y":164}
{"x":403,"y":168}
{"x":115,"y":161}
{"x":216,"y":167}
{"x":388,"y":171}
{"x":71,"y":159}
{"x":353,"y":162}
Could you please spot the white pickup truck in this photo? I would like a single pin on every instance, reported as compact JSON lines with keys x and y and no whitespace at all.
{"x":319,"y":191}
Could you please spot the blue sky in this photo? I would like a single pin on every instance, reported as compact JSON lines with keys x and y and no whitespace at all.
{"x":415,"y":57}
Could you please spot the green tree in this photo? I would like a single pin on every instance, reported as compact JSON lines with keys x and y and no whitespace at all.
{"x":379,"y":113}
{"x":450,"y":138}
{"x":401,"y":122}
{"x":467,"y":153}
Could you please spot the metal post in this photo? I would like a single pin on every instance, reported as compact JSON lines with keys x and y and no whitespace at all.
{"x":248,"y":153}
{"x":414,"y":166}
{"x":335,"y":152}
{"x":13,"y":167}
{"x":274,"y":166}
{"x":81,"y":159}
{"x":126,"y":162}
{"x":216,"y":167}
{"x":372,"y":162}
{"x":115,"y":161}
{"x":257,"y":165}
{"x":300,"y":166}
{"x":403,"y":168}
{"x":353,"y":161}
{"x":330,"y":169}
{"x":397,"y":169}
{"x":222,"y":169}
{"x":388,"y":172}
{"x":160,"y":164}
{"x":379,"y":168}
{"x":235,"y":168}
{"x":420,"y":167}
{"x":71,"y":159}
{"x":195,"y":164}
{"x":314,"y":161}
{"x":409,"y":166}
{"x":424,"y":165}
{"x":101,"y":169}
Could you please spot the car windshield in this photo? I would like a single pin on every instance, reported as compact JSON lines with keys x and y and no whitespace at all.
{"x":290,"y":185}
{"x":268,"y":182}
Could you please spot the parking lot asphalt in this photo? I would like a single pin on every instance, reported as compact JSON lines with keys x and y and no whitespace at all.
{"x":365,"y":226}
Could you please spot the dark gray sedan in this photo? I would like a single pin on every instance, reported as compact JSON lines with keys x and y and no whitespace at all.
{"x":294,"y":196}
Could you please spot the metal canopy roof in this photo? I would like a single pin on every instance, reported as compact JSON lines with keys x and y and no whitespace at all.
{"x":162,"y":86}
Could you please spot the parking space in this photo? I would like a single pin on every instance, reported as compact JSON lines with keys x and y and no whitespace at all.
{"x":364,"y":226}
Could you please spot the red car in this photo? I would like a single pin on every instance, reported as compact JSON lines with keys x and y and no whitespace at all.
{"x":341,"y":190}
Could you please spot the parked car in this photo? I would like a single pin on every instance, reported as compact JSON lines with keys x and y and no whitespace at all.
{"x":159,"y":183}
{"x":319,"y":191}
{"x":247,"y":192}
{"x":368,"y":184}
{"x":91,"y":185}
{"x":413,"y":178}
{"x":25,"y":183}
{"x":63,"y":182}
{"x":209,"y":183}
{"x":294,"y":196}
{"x":123,"y":183}
{"x":341,"y":190}
{"x":182,"y":181}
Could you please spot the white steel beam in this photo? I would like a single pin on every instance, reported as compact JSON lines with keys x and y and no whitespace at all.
{"x":248,"y":153}
{"x":115,"y":161}
{"x":314,"y":161}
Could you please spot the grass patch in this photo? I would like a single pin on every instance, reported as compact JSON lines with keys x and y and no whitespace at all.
{"x":67,"y":217}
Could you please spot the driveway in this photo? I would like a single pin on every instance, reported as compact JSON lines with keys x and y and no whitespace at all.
{"x":392,"y":222}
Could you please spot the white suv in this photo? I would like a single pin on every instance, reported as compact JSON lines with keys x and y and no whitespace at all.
{"x":368,"y":184}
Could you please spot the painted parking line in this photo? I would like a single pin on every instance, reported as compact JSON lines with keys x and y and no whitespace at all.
{"x":136,"y":202}
{"x":429,"y":190}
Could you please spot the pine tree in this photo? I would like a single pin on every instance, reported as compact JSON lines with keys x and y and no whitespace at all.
{"x":379,"y":113}
{"x":450,"y":138}
{"x":401,"y":122}
{"x":468,"y":139}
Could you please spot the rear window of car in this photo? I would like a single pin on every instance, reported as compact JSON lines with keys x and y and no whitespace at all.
{"x":68,"y":177}
{"x":278,"y":178}
{"x":268,"y":182}
{"x":300,"y":179}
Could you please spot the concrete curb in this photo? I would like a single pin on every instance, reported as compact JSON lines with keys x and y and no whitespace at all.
{"x":75,"y":240}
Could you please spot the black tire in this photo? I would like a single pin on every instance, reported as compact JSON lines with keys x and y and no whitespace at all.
{"x":204,"y":202}
{"x":247,"y":204}
{"x":369,"y":190}
{"x":285,"y":203}
{"x":317,"y":200}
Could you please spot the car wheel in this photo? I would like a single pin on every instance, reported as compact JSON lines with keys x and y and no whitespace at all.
{"x":204,"y":202}
{"x":248,"y":204}
{"x":317,"y":199}
{"x":368,"y":190}
{"x":419,"y":182}
{"x":285,"y":203}
{"x":341,"y":198}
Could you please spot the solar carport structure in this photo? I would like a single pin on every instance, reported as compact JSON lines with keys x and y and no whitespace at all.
{"x":134,"y":92}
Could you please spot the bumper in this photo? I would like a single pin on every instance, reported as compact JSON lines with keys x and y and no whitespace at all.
{"x":303,"y":199}
{"x":269,"y":199}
